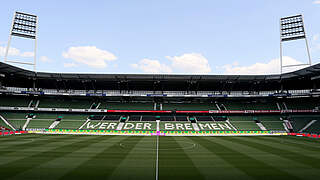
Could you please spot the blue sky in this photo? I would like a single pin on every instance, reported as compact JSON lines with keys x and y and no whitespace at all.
{"x":164,"y":36}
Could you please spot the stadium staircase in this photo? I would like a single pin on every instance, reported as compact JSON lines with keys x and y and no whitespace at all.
{"x":6,"y":122}
{"x":81,"y":127}
{"x":287,"y":125}
{"x":34,"y":103}
{"x":27,"y":123}
{"x":230,"y":124}
{"x":308,"y":125}
{"x":261,"y":126}
{"x":193,"y":121}
{"x":95,"y":106}
{"x":55,"y":123}
{"x":314,"y":128}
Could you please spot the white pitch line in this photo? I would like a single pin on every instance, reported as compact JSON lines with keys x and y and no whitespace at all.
{"x":157,"y":161}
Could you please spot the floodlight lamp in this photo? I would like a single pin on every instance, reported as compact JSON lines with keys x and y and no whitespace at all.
{"x":24,"y":25}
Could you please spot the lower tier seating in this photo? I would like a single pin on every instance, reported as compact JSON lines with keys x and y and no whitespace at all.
{"x":70,"y":124}
{"x":314,"y":128}
{"x":75,"y":121}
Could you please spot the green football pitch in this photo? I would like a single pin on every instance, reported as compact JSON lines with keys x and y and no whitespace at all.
{"x":132,"y":157}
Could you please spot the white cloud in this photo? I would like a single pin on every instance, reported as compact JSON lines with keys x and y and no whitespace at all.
{"x":271,"y":67}
{"x":316,"y":37}
{"x":69,"y":65}
{"x":45,"y":59}
{"x":89,"y":55}
{"x":315,"y":44}
{"x":316,"y":2}
{"x":27,"y":54}
{"x":151,"y":66}
{"x":316,"y":47}
{"x":15,"y":52}
{"x":12,"y":51}
{"x":194,"y":63}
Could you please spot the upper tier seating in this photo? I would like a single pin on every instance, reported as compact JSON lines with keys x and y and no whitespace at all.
{"x":115,"y":104}
{"x":14,"y":101}
{"x":126,"y":106}
{"x":250,"y":105}
{"x":302,"y":103}
{"x":75,"y":103}
{"x":189,"y":106}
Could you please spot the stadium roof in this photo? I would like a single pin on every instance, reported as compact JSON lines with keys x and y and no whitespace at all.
{"x":18,"y":77}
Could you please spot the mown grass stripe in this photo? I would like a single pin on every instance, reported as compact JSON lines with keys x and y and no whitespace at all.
{"x":140,"y":162}
{"x":13,"y":168}
{"x":209,"y":164}
{"x":102,"y":165}
{"x":23,"y":147}
{"x":295,"y":143}
{"x":58,"y":167}
{"x":252,"y":167}
{"x":282,"y":152}
{"x":33,"y":142}
{"x":174,"y":163}
{"x":13,"y":137}
{"x":11,"y":155}
{"x":294,"y":168}
{"x":308,"y":140}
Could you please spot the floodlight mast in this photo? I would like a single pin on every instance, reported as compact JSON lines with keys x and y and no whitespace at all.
{"x":23,"y":25}
{"x":292,"y":28}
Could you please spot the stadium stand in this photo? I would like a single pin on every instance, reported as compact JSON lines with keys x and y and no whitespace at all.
{"x":54,"y":102}
{"x":181,"y":118}
{"x":148,"y":118}
{"x":16,"y":119}
{"x":243,"y":123}
{"x":127,"y":106}
{"x":272,"y":122}
{"x":135,"y":118}
{"x":2,"y":124}
{"x":69,"y":124}
{"x":167,"y":118}
{"x":314,"y":128}
{"x":246,"y":102}
{"x":305,"y":123}
{"x":189,"y":106}
{"x":14,"y":101}
{"x":302,"y":103}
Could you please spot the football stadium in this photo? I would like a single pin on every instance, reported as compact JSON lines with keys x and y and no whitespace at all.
{"x":158,"y":126}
